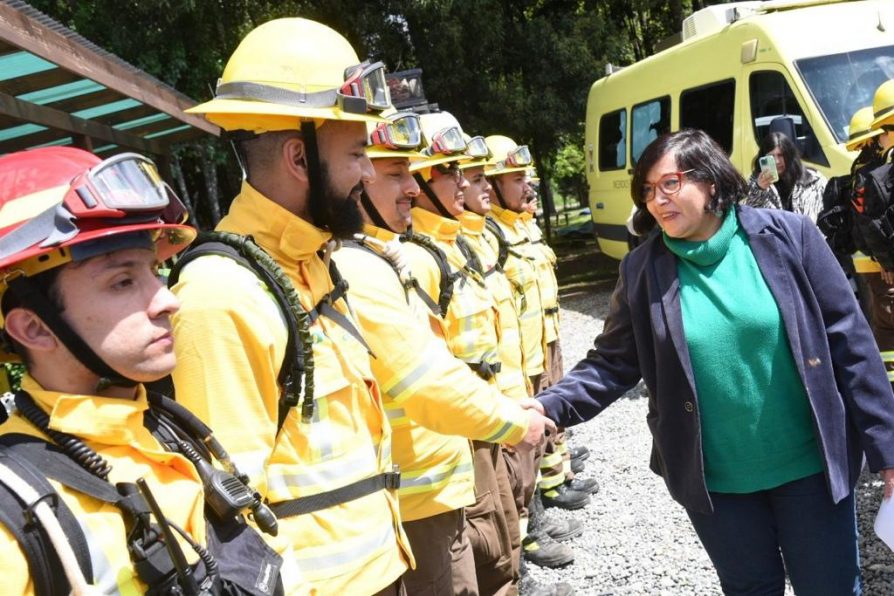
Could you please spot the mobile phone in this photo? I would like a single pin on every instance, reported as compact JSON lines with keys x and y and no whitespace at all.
{"x":768,"y":164}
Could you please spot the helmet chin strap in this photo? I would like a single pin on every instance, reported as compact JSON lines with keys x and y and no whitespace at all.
{"x":372,"y":212}
{"x":499,"y":194}
{"x":314,"y":172}
{"x":29,"y":293}
{"x":430,"y":193}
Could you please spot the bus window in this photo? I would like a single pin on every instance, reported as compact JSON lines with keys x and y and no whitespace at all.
{"x":710,"y":108}
{"x":772,"y":97}
{"x":613,"y":140}
{"x":649,"y":120}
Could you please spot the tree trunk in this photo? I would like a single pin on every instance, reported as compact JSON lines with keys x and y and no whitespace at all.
{"x":182,"y":191}
{"x":209,"y":170}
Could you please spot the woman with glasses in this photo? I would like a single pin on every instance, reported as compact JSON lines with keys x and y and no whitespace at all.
{"x":795,"y":187}
{"x":765,"y":386}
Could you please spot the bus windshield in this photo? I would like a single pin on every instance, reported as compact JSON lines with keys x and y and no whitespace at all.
{"x":841,"y":84}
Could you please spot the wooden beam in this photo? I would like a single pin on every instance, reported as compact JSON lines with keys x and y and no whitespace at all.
{"x":87,"y":100}
{"x":53,"y":118}
{"x":18,"y":29}
{"x":37,"y":81}
{"x":127,"y":115}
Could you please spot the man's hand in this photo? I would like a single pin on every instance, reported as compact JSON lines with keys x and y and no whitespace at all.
{"x":529,"y":403}
{"x":888,"y":479}
{"x":537,"y":425}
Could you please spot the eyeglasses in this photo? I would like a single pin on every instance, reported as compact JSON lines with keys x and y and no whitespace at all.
{"x":670,"y":184}
{"x":402,"y":131}
{"x":452,"y":171}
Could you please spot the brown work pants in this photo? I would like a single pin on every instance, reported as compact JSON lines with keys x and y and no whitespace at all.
{"x":492,"y":523}
{"x":395,"y":589}
{"x":522,"y":466}
{"x":445,"y":564}
{"x":881,"y":316}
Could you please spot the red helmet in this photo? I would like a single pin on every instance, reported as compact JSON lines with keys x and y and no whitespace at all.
{"x":56,"y":198}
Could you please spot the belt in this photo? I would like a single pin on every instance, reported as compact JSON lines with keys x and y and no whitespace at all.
{"x":361,"y":488}
{"x":485,"y":370}
{"x":551,"y":310}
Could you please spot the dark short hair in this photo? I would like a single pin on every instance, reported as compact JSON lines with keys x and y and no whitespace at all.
{"x":46,"y":282}
{"x":695,"y":151}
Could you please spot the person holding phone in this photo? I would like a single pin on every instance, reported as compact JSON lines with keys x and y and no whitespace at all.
{"x":781,"y":180}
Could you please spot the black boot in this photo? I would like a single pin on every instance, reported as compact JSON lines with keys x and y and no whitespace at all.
{"x":583,"y":485}
{"x":564,"y":498}
{"x":563,"y":529}
{"x":540,"y":549}
{"x":528,"y":587}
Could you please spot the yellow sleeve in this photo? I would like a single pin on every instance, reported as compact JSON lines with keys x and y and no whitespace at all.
{"x":230,"y":339}
{"x":14,"y":575}
{"x":414,"y":367}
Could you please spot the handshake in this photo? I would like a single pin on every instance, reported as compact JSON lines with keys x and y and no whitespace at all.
{"x":538,"y":424}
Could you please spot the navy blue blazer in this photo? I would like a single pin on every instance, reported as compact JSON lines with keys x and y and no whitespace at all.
{"x":834,"y":350}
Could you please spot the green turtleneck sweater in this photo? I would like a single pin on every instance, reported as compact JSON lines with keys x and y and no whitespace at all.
{"x":757,"y":431}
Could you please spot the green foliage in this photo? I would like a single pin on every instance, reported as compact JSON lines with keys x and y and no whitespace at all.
{"x":521,"y":68}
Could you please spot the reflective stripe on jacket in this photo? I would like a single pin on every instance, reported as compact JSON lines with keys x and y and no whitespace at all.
{"x":230,"y":340}
{"x":546,"y":267}
{"x":470,"y":326}
{"x":525,"y":278}
{"x":433,"y":400}
{"x":511,"y":379}
{"x":113,"y":428}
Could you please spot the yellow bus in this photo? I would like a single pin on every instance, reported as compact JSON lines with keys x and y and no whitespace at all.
{"x":738,"y":67}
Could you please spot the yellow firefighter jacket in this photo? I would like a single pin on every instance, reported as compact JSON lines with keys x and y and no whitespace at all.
{"x":230,"y":340}
{"x":470,"y":326}
{"x":511,"y":379}
{"x":521,"y":269}
{"x":426,"y":390}
{"x":546,"y":266}
{"x":113,"y":428}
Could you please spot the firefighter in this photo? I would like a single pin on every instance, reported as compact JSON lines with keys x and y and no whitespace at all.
{"x":295,"y":100}
{"x":872,"y":133}
{"x":525,"y":268}
{"x":467,"y":316}
{"x":545,"y":257}
{"x":435,"y":403}
{"x":84,"y":309}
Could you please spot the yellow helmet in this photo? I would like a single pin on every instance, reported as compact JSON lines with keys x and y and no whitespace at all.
{"x":442,"y":142}
{"x":883,"y":104}
{"x":291,"y":70}
{"x":508,"y":156}
{"x":860,"y":129}
{"x":399,"y":136}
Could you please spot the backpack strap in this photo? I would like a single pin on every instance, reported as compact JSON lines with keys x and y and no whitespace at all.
{"x":24,"y":490}
{"x":326,"y":308}
{"x":297,"y":365}
{"x":447,"y":278}
{"x":468,"y":252}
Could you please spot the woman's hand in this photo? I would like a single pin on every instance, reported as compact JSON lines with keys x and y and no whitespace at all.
{"x":888,"y":479}
{"x":765,"y":179}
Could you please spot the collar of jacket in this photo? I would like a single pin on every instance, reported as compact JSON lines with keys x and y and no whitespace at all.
{"x":505,"y":215}
{"x":525,"y":216}
{"x":106,"y":420}
{"x":471,"y":223}
{"x":378,"y":233}
{"x":432,"y":224}
{"x":284,"y":235}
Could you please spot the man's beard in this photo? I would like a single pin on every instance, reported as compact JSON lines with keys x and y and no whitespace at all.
{"x":334,"y":212}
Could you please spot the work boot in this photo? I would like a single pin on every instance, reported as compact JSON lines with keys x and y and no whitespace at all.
{"x":562,"y":529}
{"x":528,"y":587}
{"x":564,"y":498}
{"x":589,"y":486}
{"x":542,"y":550}
{"x":580,"y":452}
{"x":577,"y":465}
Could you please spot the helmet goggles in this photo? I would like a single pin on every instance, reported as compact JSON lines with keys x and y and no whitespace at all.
{"x":364,"y":90}
{"x":446,"y":141}
{"x":517,"y":158}
{"x":477,"y":148}
{"x":120,"y":194}
{"x":402,"y":131}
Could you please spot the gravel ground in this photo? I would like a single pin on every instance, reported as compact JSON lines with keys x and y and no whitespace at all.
{"x":637,"y":540}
